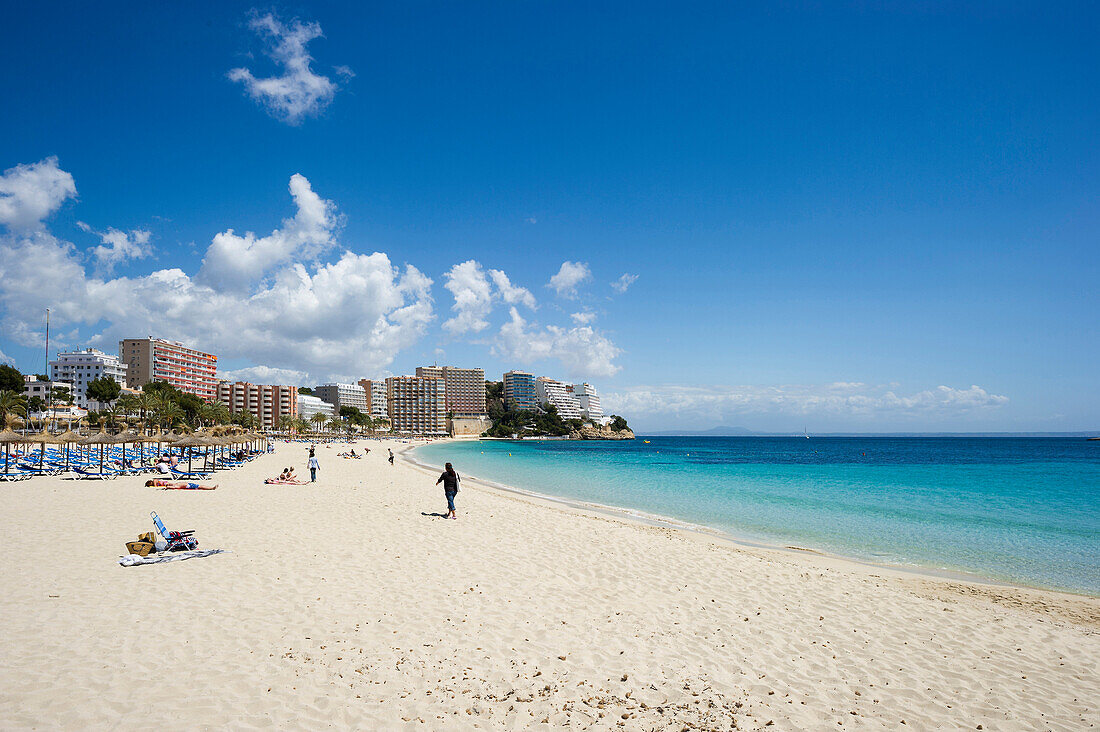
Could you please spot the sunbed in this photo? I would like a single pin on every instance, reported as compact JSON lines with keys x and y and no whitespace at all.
{"x":177,"y":540}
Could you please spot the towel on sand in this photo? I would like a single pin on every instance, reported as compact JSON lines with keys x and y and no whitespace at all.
{"x":131,"y":559}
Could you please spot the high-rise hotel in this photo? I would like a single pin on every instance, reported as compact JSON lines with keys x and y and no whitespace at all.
{"x":519,"y":390}
{"x":464,"y":389}
{"x":417,"y":404}
{"x":265,"y":402}
{"x":155,"y":359}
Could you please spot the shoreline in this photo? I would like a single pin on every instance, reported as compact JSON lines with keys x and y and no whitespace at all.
{"x":652,"y":519}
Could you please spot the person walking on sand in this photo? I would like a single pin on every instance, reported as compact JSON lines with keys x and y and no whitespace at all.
{"x":391,"y":458}
{"x":314,"y":466}
{"x":449,"y":479}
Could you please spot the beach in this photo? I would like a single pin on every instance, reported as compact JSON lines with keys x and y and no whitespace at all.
{"x":351,"y":603}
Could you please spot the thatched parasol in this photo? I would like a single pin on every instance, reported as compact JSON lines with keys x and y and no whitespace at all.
{"x":8,"y":438}
{"x":66,"y":438}
{"x":194,"y":441}
{"x":100,"y":438}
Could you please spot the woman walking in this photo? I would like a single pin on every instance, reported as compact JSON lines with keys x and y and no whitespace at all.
{"x":314,"y":466}
{"x":449,"y":479}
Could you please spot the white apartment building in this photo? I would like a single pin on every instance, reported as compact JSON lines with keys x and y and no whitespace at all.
{"x":311,"y":405}
{"x":589,"y":401}
{"x":344,"y":395}
{"x":559,"y":394}
{"x":376,"y":393}
{"x":80,"y":368}
{"x":32,"y":387}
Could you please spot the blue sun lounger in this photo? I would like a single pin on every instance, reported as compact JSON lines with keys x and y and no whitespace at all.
{"x":177,"y":540}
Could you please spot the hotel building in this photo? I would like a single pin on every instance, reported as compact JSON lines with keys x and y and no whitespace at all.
{"x":268,"y":404}
{"x":80,"y":368}
{"x":311,"y":405}
{"x":343,"y":395}
{"x":519,"y":390}
{"x":464,"y":389}
{"x":376,"y":393}
{"x":416,"y":404}
{"x":589,"y":401}
{"x":155,"y":359}
{"x":560,"y":395}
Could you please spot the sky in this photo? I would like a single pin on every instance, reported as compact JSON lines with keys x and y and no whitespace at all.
{"x":849,"y":216}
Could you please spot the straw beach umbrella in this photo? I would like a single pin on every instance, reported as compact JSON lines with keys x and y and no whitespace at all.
{"x":192,"y":441}
{"x":100,"y":438}
{"x":42,"y":439}
{"x":67,"y":438}
{"x":7,"y":438}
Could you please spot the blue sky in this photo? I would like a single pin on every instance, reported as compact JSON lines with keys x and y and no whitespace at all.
{"x":830,"y":214}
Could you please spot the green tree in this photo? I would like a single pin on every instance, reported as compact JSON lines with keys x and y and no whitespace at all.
{"x":35,"y":404}
{"x":305,"y":390}
{"x":11,"y":379}
{"x":318,"y":419}
{"x":12,"y":402}
{"x":103,"y":390}
{"x":61,"y":395}
{"x":618,"y":423}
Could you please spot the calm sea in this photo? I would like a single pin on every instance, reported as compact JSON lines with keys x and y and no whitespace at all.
{"x":1022,"y":510}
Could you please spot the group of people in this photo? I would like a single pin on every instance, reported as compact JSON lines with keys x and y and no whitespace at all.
{"x":449,"y":478}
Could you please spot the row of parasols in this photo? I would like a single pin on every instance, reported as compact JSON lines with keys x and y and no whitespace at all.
{"x":86,"y":443}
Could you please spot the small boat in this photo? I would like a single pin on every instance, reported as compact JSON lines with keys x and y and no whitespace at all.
{"x":646,"y":441}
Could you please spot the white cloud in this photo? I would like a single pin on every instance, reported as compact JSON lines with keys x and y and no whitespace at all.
{"x":234,"y":262}
{"x":511,"y":294}
{"x":473,"y":298}
{"x":119,"y":246}
{"x":299,"y":92}
{"x":338,"y":319}
{"x":5,"y":358}
{"x":583,"y":318}
{"x":568,"y":277}
{"x":622,"y":284}
{"x":266,"y":375}
{"x":710,"y":405}
{"x":582,"y":351}
{"x":30,"y":193}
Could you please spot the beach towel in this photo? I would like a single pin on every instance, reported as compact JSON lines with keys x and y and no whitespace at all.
{"x":132,"y":559}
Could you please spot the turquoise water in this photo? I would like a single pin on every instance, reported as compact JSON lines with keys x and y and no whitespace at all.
{"x":1021,"y":510}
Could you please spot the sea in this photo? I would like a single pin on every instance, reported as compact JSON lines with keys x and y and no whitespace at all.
{"x":1023,"y":511}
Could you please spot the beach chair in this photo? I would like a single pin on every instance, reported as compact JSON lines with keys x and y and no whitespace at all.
{"x":12,"y":477}
{"x":185,"y":474}
{"x":177,"y":540}
{"x":85,"y":474}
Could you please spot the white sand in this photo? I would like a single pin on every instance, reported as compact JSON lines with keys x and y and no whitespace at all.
{"x":343,"y":605}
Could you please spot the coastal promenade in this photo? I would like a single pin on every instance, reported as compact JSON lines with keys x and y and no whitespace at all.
{"x":351,"y":603}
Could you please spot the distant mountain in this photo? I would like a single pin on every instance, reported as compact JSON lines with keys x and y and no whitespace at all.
{"x":712,"y":432}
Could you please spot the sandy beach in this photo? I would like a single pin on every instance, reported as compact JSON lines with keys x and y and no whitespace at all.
{"x":351,"y":603}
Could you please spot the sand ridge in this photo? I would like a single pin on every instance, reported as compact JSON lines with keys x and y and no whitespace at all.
{"x":351,"y":603}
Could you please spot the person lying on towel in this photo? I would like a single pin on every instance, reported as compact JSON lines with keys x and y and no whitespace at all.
{"x":178,"y":486}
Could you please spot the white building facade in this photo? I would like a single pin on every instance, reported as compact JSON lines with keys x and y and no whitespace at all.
{"x":80,"y":368}
{"x":589,"y":401}
{"x":311,"y":405}
{"x":559,"y":395}
{"x":344,"y":395}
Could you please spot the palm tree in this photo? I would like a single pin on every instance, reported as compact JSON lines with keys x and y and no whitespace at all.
{"x":335,"y":424}
{"x":286,"y":423}
{"x":219,"y":413}
{"x":171,"y":413}
{"x":318,"y":419}
{"x":12,"y":402}
{"x":127,"y":403}
{"x":146,"y":403}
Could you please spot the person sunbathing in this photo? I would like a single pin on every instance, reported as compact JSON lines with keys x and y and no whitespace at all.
{"x":176,"y":485}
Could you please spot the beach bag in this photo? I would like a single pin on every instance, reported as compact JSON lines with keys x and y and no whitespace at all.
{"x":141,"y":548}
{"x":148,"y":537}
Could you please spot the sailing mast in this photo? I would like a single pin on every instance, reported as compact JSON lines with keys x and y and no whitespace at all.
{"x":49,"y":391}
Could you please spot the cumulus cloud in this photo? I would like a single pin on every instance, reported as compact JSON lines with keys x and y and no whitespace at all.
{"x":233,"y":261}
{"x":584,"y":317}
{"x":623,"y":284}
{"x":334,"y":319}
{"x":475,"y":293}
{"x":567,"y":279}
{"x":583,"y":352}
{"x":299,"y":92}
{"x":265,"y":375}
{"x":473,"y":298}
{"x":5,"y":358}
{"x":119,"y":246}
{"x":708,"y":405}
{"x":511,"y":294}
{"x":30,"y":193}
